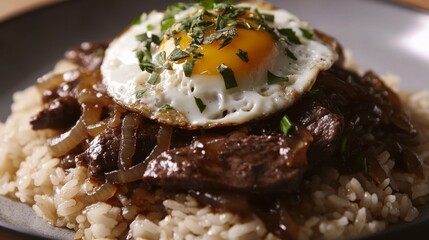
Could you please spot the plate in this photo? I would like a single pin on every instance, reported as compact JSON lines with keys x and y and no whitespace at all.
{"x":383,"y":37}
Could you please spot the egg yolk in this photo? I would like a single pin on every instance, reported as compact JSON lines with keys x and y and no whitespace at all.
{"x":258,"y":44}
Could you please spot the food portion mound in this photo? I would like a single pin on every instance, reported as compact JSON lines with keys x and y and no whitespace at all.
{"x":144,"y":137}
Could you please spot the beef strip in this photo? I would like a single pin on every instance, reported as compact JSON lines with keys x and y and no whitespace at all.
{"x":102,"y":154}
{"x":250,"y":163}
{"x":320,"y":116}
{"x":61,"y":113}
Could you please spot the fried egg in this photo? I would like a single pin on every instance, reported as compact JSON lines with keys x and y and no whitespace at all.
{"x":197,"y":67}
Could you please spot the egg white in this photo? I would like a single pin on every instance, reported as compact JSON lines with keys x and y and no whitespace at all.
{"x":253,"y":98}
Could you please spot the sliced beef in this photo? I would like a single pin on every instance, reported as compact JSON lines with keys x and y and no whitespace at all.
{"x":61,"y":113}
{"x":320,"y":116}
{"x":250,"y":163}
{"x":102,"y":154}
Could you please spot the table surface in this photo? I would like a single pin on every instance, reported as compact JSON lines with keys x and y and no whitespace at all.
{"x":11,"y":8}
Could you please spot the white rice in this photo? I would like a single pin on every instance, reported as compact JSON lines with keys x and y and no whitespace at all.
{"x":342,"y":206}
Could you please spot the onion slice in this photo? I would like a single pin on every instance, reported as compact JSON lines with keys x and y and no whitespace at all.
{"x":163,"y":141}
{"x":101,"y":194}
{"x":127,"y":149}
{"x":49,"y":81}
{"x":126,"y":176}
{"x":64,"y":143}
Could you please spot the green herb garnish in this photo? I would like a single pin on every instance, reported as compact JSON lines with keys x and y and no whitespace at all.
{"x":150,"y":27}
{"x":167,"y":23}
{"x":290,"y":34}
{"x":290,"y":54}
{"x":177,"y":40}
{"x":154,"y":76}
{"x":242,"y":55}
{"x":187,"y":67}
{"x":363,"y":164}
{"x":177,"y":55}
{"x":271,"y":78}
{"x":285,"y":125}
{"x":268,"y":17}
{"x":265,"y":16}
{"x":136,"y":21}
{"x":200,"y":104}
{"x":165,"y":107}
{"x":197,"y":55}
{"x":169,"y":14}
{"x":144,"y":38}
{"x":207,"y":4}
{"x":228,"y":76}
{"x":225,"y":42}
{"x":343,"y":145}
{"x":313,"y":92}
{"x":139,"y":94}
{"x":306,"y":33}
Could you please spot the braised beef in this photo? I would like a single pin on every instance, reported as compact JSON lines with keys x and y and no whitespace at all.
{"x":324,"y":121}
{"x":250,"y":163}
{"x":102,"y":154}
{"x":61,"y":113}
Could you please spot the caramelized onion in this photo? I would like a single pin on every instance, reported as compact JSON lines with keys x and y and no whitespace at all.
{"x":91,"y":114}
{"x":130,"y":124}
{"x":64,"y":143}
{"x":136,"y":172}
{"x":163,"y":141}
{"x":126,"y":176}
{"x":87,"y":82}
{"x":100,"y":194}
{"x":90,"y":96}
{"x":97,"y":128}
{"x":115,"y":120}
{"x":49,"y":81}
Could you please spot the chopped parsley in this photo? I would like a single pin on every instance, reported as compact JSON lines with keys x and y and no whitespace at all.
{"x":165,"y":108}
{"x":265,"y":16}
{"x":290,"y":34}
{"x":228,"y":76}
{"x":150,"y":27}
{"x":271,"y":78}
{"x":145,"y":61}
{"x":197,"y":55}
{"x":177,"y":40}
{"x":144,"y":37}
{"x":154,"y":76}
{"x":168,"y":19}
{"x":187,"y":67}
{"x":306,"y":33}
{"x":290,"y":54}
{"x":364,"y":164}
{"x":313,"y":92}
{"x":201,"y":106}
{"x":139,"y":94}
{"x":177,"y":55}
{"x":286,"y":125}
{"x":207,"y":4}
{"x":225,"y":42}
{"x":243,"y":55}
{"x":136,"y":21}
